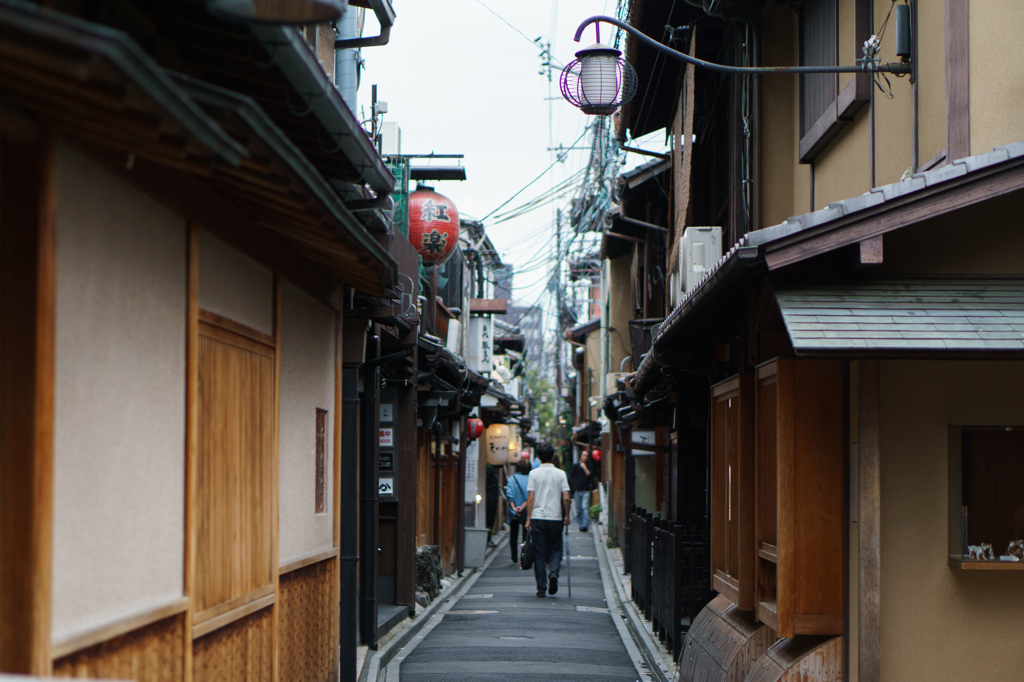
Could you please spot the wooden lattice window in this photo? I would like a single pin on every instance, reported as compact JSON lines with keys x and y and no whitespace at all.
{"x":321,"y":461}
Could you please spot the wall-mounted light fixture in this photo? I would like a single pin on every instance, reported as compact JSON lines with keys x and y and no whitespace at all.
{"x":599,"y":81}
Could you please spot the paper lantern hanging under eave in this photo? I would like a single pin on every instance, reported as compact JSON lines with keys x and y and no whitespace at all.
{"x":433,"y":226}
{"x":496,"y":440}
{"x":514,"y":450}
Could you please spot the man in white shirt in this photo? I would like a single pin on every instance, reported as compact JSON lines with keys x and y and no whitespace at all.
{"x":547,"y":509}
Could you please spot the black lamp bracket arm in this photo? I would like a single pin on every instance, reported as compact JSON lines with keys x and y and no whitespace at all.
{"x":870,"y":63}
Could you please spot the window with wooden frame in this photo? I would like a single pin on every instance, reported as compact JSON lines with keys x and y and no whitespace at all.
{"x":799,"y":493}
{"x":986,"y":498}
{"x":732,"y":490}
{"x":825,"y":107}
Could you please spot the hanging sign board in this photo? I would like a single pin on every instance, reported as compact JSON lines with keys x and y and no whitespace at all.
{"x":386,"y":486}
{"x":387,"y":437}
{"x":641,"y":438}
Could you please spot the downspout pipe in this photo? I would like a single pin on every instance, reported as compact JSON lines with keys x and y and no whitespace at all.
{"x":385,"y":14}
{"x":349,"y":548}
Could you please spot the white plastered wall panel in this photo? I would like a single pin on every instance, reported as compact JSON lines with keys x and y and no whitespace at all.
{"x":307,"y":384}
{"x":119,"y":445}
{"x":235,"y":286}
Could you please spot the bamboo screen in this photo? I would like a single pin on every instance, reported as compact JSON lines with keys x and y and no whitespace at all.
{"x":233,"y":470}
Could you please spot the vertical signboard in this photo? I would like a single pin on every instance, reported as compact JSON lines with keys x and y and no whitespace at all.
{"x":386,"y":442}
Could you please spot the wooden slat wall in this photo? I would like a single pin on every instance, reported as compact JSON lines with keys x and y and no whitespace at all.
{"x":239,"y":652}
{"x":234,"y":552}
{"x":308,"y":604}
{"x":424,"y":491}
{"x":154,"y":653}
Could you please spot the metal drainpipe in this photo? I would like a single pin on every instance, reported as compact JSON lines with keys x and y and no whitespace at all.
{"x":346,"y":61}
{"x":368,"y":517}
{"x":349,"y":599}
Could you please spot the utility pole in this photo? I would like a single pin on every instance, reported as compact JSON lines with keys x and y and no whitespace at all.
{"x":559,"y":303}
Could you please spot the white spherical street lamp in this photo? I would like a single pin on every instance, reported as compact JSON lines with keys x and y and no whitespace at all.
{"x":598,"y":81}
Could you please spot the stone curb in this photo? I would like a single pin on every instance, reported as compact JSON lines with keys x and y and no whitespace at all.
{"x":375,"y":665}
{"x":658,"y":659}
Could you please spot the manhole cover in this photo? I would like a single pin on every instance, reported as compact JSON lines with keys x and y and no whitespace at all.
{"x":512,"y":637}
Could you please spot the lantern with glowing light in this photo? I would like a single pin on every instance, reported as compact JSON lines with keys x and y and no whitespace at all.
{"x":496,"y":444}
{"x":433,"y":225}
{"x":514,"y":451}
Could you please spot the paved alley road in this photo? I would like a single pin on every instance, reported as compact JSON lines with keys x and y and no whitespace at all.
{"x":500,"y":629}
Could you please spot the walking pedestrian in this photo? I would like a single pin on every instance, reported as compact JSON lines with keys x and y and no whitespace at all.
{"x":580,"y":481}
{"x":547,"y":510}
{"x":492,"y":493}
{"x":515,"y":493}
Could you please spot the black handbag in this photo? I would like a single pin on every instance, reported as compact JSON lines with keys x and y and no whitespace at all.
{"x":526,"y":552}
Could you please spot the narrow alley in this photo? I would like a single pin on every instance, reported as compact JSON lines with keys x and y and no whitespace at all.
{"x":498,"y":629}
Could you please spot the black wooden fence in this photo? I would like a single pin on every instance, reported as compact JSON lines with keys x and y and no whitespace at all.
{"x":668,"y":566}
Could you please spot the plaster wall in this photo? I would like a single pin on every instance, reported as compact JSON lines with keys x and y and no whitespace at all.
{"x":940,"y":623}
{"x":620,"y":310}
{"x":784,"y":182}
{"x":234,"y":286}
{"x":119,"y":442}
{"x":893,"y":121}
{"x":842,"y":170}
{"x":307,"y":384}
{"x":996,"y":86}
{"x":931,"y":78}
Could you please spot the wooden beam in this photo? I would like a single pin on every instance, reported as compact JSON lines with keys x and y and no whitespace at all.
{"x":870,"y":527}
{"x":275,"y":474}
{"x":871,"y":252}
{"x":495,"y":306}
{"x":191,"y":438}
{"x":27,"y":305}
{"x":958,"y":81}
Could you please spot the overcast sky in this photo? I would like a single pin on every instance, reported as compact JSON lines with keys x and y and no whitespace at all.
{"x":457,"y":79}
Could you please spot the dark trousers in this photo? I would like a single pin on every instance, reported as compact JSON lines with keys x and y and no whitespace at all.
{"x":513,"y":532}
{"x":547,"y":545}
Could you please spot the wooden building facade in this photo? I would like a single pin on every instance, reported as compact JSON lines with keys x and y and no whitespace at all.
{"x":178,"y":260}
{"x":840,"y":379}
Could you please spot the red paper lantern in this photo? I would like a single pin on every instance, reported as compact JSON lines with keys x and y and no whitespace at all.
{"x":433,"y":226}
{"x":596,"y":455}
{"x":474,"y":428}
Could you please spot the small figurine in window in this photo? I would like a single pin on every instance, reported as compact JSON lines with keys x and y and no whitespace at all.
{"x":982,"y":552}
{"x":1016,"y":550}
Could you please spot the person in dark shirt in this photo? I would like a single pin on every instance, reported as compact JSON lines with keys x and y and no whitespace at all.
{"x":492,"y":492}
{"x":580,"y":477}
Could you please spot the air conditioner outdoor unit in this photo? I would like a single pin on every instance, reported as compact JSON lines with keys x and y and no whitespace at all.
{"x":701,"y":249}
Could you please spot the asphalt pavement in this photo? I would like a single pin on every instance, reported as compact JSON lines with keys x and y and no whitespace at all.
{"x":500,"y":630}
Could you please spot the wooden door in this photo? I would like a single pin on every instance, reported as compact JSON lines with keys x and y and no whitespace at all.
{"x":234,"y":472}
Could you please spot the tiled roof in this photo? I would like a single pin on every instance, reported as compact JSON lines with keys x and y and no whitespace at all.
{"x":905,"y":315}
{"x":753,"y":244}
